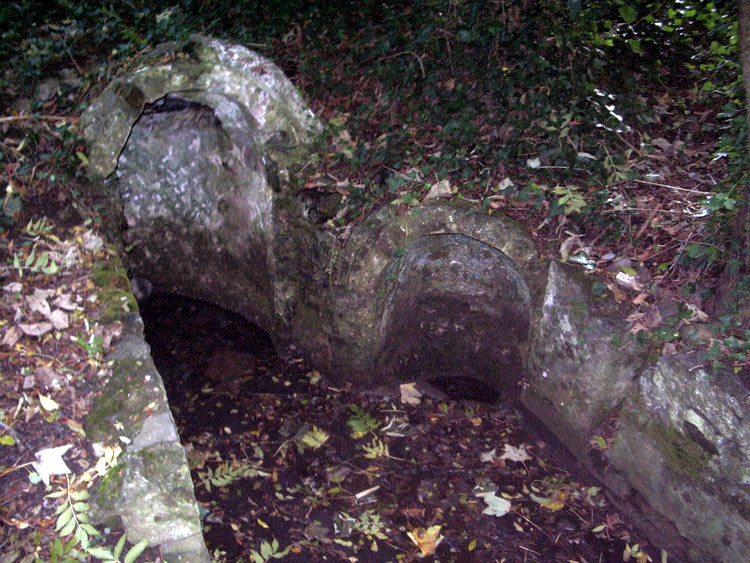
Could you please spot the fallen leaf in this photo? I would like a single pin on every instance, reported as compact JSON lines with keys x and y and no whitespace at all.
{"x":504,"y":185}
{"x":533,"y":163}
{"x":628,"y":280}
{"x":441,"y":189}
{"x":65,"y":302}
{"x":48,"y":403}
{"x":599,"y":441}
{"x":35,"y":329}
{"x":427,"y":540}
{"x":487,"y":457}
{"x":11,"y":336}
{"x":516,"y":454}
{"x":553,"y":503}
{"x":409,"y":394}
{"x":496,"y":506}
{"x":59,"y":319}
{"x":50,"y":462}
{"x":38,"y":304}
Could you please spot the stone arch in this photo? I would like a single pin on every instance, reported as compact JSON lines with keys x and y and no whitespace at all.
{"x":454,"y":306}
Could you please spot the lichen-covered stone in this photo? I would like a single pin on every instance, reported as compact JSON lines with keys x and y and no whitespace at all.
{"x":211,"y":70}
{"x":149,"y":491}
{"x":582,"y":360}
{"x":378,"y":246}
{"x":683,"y":443}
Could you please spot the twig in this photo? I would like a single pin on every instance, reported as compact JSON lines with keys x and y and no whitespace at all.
{"x":692,"y":191}
{"x":75,"y":62}
{"x":646,"y":223}
{"x":413,"y":54}
{"x":32,"y":117}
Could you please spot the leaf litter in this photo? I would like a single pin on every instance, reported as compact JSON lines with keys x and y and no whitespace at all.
{"x":279,"y":453}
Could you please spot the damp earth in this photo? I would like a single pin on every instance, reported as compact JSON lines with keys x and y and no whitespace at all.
{"x":280,"y":456}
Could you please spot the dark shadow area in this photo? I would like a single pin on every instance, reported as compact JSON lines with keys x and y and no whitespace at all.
{"x":245,"y":418}
{"x":462,"y":388}
{"x":214,"y":363}
{"x":193,"y":342}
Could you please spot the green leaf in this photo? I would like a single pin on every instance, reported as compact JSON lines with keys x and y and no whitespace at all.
{"x":64,"y":518}
{"x":102,"y":553}
{"x":7,"y":440}
{"x":315,"y":438}
{"x":266,"y":550}
{"x":628,"y":13}
{"x":83,"y":538}
{"x":90,"y":529}
{"x":68,"y":528}
{"x":135,"y":551}
{"x":80,"y":495}
{"x":57,"y":548}
{"x":119,"y":546}
{"x":601,"y":442}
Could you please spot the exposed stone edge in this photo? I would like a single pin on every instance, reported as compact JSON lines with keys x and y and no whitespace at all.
{"x":147,"y":434}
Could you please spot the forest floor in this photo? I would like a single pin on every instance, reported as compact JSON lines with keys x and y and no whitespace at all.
{"x":283,"y":461}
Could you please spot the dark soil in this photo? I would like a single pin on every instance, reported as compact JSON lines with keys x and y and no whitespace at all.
{"x":243,"y":411}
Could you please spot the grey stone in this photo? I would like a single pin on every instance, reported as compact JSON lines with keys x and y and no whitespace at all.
{"x":582,"y":361}
{"x":684,"y":443}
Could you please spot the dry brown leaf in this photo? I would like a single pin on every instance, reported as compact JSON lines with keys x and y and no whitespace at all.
{"x":426,"y":540}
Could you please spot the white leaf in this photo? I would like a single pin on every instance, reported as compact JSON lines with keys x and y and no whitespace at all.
{"x":487,"y":457}
{"x":533,"y":163}
{"x":441,"y":189}
{"x":496,"y":506}
{"x":505,"y":184}
{"x":58,"y":319}
{"x":516,"y":454}
{"x":12,"y":334}
{"x":38,"y":304}
{"x":587,"y":155}
{"x":50,"y":462}
{"x":92,"y":242}
{"x":65,"y":302}
{"x":43,"y":293}
{"x":409,"y":394}
{"x":48,"y":403}
{"x":36,"y":329}
{"x":626,"y":280}
{"x":13,"y":287}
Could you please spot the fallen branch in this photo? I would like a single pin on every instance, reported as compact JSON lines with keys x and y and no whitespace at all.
{"x":42,"y":117}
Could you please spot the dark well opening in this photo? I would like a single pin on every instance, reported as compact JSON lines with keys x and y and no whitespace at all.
{"x":244,"y":415}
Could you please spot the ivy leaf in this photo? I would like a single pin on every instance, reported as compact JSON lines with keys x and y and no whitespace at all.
{"x":628,"y":13}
